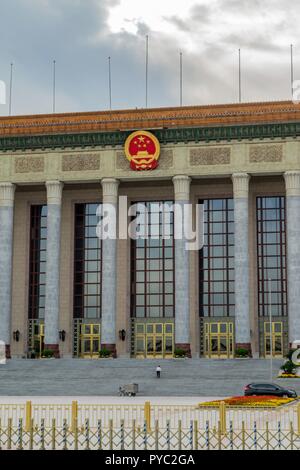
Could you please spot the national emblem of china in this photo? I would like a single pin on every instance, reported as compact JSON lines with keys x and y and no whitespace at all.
{"x":142,"y":149}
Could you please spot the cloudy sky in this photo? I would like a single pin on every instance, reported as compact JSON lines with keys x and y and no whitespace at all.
{"x":81,"y":34}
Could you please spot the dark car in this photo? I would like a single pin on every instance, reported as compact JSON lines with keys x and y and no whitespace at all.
{"x":269,"y":389}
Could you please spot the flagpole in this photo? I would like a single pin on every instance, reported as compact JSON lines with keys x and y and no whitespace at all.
{"x":180,"y":78}
{"x":240,"y":78}
{"x":109,"y":81}
{"x":10,"y":87}
{"x":54,"y":87}
{"x":292,"y":71}
{"x":147,"y":66}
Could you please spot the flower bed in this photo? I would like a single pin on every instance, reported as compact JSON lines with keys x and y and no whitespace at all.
{"x":288,"y":376}
{"x":249,"y":402}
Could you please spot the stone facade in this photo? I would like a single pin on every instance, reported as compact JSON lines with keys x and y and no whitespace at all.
{"x":242,"y":167}
{"x":265,"y":153}
{"x":81,"y":162}
{"x":29,"y":164}
{"x":210,"y":156}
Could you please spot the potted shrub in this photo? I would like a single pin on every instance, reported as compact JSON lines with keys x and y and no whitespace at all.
{"x":179,"y":353}
{"x":241,"y":353}
{"x":288,"y":368}
{"x":104,"y":353}
{"x":47,"y":353}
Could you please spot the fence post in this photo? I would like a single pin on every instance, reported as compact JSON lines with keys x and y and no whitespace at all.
{"x":31,"y":440}
{"x":99,"y":433}
{"x":222,"y":417}
{"x":145,"y":436}
{"x":219,"y":436}
{"x":243,"y":435}
{"x":292,"y":435}
{"x":111,"y":437}
{"x":76,"y":437}
{"x":28,"y":415}
{"x":179,"y":435}
{"x":87,"y":434}
{"x":9,"y":433}
{"x":65,"y":435}
{"x":207,"y":434}
{"x":196,"y":435}
{"x":147,"y":414}
{"x":53,"y":434}
{"x":42,"y":435}
{"x":168,"y":435}
{"x":74,"y":415}
{"x":122,"y":437}
{"x":20,"y":434}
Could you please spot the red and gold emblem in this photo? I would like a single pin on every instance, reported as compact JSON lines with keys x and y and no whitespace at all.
{"x":142,"y":149}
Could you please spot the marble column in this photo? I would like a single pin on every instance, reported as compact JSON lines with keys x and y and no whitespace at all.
{"x":292,"y":184}
{"x":241,"y":260}
{"x":54,"y":197}
{"x":182,"y":290}
{"x":109,"y":266}
{"x":7,"y":191}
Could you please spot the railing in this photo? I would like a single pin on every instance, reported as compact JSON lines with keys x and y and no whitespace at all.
{"x":85,"y":437}
{"x":29,"y":421}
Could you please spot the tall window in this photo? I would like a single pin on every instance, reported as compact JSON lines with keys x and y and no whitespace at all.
{"x":37,"y":261}
{"x":87,"y":265}
{"x":216,"y":274}
{"x":152,"y":264}
{"x":271,"y":255}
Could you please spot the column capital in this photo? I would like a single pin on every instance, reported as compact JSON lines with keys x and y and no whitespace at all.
{"x":181,"y":187}
{"x":7,"y":194}
{"x":292,"y":183}
{"x":110,"y":190}
{"x":240,"y":183}
{"x":54,"y":192}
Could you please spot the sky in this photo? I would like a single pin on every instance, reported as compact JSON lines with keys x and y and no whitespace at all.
{"x":80,"y":35}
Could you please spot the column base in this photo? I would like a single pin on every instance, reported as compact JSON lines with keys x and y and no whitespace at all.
{"x":111,"y":348}
{"x":54,"y":348}
{"x":7,"y":351}
{"x":186,"y":347}
{"x":246,"y":346}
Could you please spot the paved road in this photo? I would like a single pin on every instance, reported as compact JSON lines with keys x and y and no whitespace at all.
{"x":180,"y":377}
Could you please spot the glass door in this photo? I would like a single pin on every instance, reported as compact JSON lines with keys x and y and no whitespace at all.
{"x":90,"y":340}
{"x":38,"y":338}
{"x":219,"y":340}
{"x":273,"y":339}
{"x":154,"y":340}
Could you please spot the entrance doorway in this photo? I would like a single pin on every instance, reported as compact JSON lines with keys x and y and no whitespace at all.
{"x":154,"y":340}
{"x":273,"y":339}
{"x":90,"y":340}
{"x":219,"y":340}
{"x":36,"y":337}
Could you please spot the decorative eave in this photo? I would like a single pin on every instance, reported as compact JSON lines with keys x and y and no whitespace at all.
{"x":278,"y":130}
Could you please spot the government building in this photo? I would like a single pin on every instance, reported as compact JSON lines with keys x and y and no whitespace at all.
{"x":64,"y":289}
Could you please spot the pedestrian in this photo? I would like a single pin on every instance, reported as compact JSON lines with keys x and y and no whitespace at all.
{"x":158,"y":371}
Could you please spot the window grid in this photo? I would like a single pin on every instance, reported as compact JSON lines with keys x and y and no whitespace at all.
{"x":87,"y":263}
{"x":216,"y":270}
{"x":37,"y":261}
{"x":152,"y":265}
{"x":271,"y":255}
